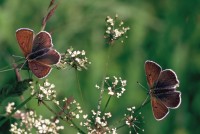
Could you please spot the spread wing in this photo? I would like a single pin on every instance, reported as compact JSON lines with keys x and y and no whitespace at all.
{"x":49,"y":58}
{"x":42,"y":40}
{"x":152,"y":71}
{"x":160,"y":111}
{"x":171,"y":99}
{"x":167,"y":79}
{"x":39,"y":70}
{"x":25,"y":39}
{"x":165,"y":89}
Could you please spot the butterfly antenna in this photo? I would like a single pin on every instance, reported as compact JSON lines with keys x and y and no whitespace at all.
{"x":16,"y":56}
{"x":142,"y":86}
{"x":8,"y":68}
{"x":22,"y":65}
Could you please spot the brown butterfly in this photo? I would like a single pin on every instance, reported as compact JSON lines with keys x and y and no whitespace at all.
{"x":162,"y":85}
{"x":38,"y":51}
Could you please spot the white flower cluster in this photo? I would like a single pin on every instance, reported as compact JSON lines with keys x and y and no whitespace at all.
{"x":29,"y":121}
{"x":98,"y":124}
{"x":46,"y":92}
{"x":115,"y":86}
{"x":72,"y":109}
{"x":133,"y":120}
{"x":75,"y":59}
{"x":115,"y":31}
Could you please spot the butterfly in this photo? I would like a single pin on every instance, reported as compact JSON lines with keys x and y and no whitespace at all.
{"x":162,"y":89}
{"x":38,"y":51}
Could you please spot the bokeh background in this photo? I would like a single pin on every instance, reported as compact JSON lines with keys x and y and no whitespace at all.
{"x":165,"y":31}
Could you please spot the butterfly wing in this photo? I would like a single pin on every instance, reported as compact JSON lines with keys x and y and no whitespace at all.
{"x":42,"y":40}
{"x":152,"y":71}
{"x":171,"y":99}
{"x":39,"y":70}
{"x":50,"y":58}
{"x":167,"y":79}
{"x":160,"y":111}
{"x":25,"y":39}
{"x":165,"y":89}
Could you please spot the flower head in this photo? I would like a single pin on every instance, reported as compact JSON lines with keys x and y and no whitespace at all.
{"x":115,"y":29}
{"x":115,"y":86}
{"x":133,"y":120}
{"x":71,"y":109}
{"x":75,"y":59}
{"x":29,"y":121}
{"x":98,"y":124}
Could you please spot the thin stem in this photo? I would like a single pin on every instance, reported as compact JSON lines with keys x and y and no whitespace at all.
{"x":79,"y":87}
{"x":50,"y":109}
{"x":142,"y":106}
{"x":79,"y":130}
{"x":107,"y":103}
{"x":121,"y":126}
{"x":17,"y":108}
{"x":102,"y":83}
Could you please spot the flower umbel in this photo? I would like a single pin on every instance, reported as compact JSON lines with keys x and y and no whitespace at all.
{"x":98,"y":124}
{"x":44,"y":92}
{"x":115,"y":86}
{"x":75,"y":59}
{"x":30,"y":121}
{"x":71,"y":109}
{"x":115,"y":29}
{"x":133,"y":121}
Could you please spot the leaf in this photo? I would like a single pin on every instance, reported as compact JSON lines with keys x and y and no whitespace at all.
{"x":16,"y":89}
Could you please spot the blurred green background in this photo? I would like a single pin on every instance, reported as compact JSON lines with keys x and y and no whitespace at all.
{"x":165,"y":31}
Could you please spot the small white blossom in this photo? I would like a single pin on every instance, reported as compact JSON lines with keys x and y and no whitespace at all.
{"x":10,"y":107}
{"x":98,"y":124}
{"x":115,"y":86}
{"x":114,"y":31}
{"x":75,"y":59}
{"x":98,"y":87}
{"x":30,"y":120}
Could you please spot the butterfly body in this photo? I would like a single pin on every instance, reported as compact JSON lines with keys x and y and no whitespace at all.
{"x":38,"y":51}
{"x":35,"y":55}
{"x":162,"y":85}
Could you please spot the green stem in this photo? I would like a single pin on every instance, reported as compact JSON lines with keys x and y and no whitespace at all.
{"x":142,"y":106}
{"x":79,"y":87}
{"x":50,"y":109}
{"x":107,"y":103}
{"x":102,"y":83}
{"x":17,"y":108}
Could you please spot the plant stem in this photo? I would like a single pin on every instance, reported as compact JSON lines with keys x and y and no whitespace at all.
{"x":79,"y":88}
{"x":142,"y":106}
{"x":17,"y":108}
{"x":102,"y":83}
{"x":107,"y":103}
